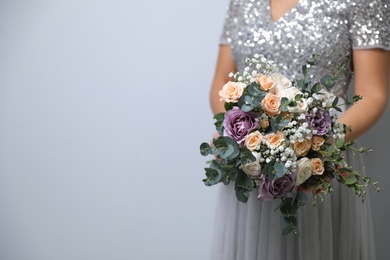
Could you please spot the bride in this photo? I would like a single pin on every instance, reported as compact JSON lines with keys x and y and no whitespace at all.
{"x":289,"y":32}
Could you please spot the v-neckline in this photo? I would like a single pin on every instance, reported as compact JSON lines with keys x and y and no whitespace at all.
{"x":286,"y":14}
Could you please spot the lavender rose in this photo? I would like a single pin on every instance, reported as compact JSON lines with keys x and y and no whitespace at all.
{"x":277,"y":188}
{"x":238,"y":124}
{"x":319,"y":120}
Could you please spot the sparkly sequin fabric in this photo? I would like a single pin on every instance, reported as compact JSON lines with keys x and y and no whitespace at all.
{"x":341,"y":227}
{"x":326,"y":27}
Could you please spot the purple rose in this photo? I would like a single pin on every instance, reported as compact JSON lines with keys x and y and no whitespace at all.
{"x":319,"y":120}
{"x":238,"y":124}
{"x":277,"y":188}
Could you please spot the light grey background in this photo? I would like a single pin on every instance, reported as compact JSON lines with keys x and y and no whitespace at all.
{"x":103,"y":105}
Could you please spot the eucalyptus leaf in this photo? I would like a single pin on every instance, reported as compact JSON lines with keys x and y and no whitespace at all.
{"x":304,"y":70}
{"x":219,"y":122}
{"x":340,"y":143}
{"x":351,"y":180}
{"x":316,"y":88}
{"x":226,"y":147}
{"x":301,"y":198}
{"x":298,"y":97}
{"x":205,"y":149}
{"x":338,"y":109}
{"x":335,"y":102}
{"x":243,"y":187}
{"x":301,"y":84}
{"x":247,"y":156}
{"x":246,"y":108}
{"x":287,"y":230}
{"x":269,"y":168}
{"x":255,"y":90}
{"x":280,"y":169}
{"x":326,"y":79}
{"x":228,"y":106}
{"x":288,"y":224}
{"x":213,"y":174}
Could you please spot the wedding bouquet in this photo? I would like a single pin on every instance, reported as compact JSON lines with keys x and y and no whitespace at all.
{"x":282,"y":138}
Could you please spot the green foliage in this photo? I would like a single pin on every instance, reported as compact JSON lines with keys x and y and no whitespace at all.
{"x":289,"y":208}
{"x":246,"y":156}
{"x":279,"y":170}
{"x":218,"y":122}
{"x":226,"y":148}
{"x":269,"y":169}
{"x":252,"y":98}
{"x":278,"y":123}
{"x":205,"y":149}
{"x":228,"y":106}
{"x":229,"y":157}
{"x":328,"y":82}
{"x":229,"y":173}
{"x":213,"y":174}
{"x":243,"y":186}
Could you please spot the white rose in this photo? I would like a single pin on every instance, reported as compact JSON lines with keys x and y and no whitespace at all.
{"x":302,"y":105}
{"x":304,"y":171}
{"x":281,"y":84}
{"x":291,"y":92}
{"x":281,"y":80}
{"x":253,"y":169}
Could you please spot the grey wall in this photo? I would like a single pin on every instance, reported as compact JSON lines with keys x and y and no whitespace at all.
{"x":103,"y":105}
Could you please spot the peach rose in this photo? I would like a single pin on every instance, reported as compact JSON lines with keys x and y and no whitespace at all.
{"x":301,"y":148}
{"x":266,"y":83}
{"x":317,"y":142}
{"x":317,"y":166}
{"x":231,"y":91}
{"x":253,"y":140}
{"x":275,"y":139}
{"x":271,"y":104}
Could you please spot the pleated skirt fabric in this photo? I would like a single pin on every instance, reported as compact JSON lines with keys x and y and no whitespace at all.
{"x":340,"y":228}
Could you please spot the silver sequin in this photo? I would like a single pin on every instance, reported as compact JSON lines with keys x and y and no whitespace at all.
{"x":329,"y":28}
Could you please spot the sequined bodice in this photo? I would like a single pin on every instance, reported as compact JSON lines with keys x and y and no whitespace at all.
{"x":328,"y":28}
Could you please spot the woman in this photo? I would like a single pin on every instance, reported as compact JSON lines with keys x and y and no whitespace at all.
{"x":289,"y":32}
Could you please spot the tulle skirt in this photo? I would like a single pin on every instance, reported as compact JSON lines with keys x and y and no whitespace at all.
{"x":340,"y":228}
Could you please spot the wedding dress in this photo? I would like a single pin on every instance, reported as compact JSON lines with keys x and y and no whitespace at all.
{"x":339,"y":228}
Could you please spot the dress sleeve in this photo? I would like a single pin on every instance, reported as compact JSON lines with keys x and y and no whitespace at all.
{"x":229,"y":23}
{"x":370,"y":24}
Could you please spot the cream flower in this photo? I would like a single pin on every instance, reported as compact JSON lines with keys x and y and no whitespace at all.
{"x":231,"y":91}
{"x":281,"y":80}
{"x":281,"y":84}
{"x":317,"y":166}
{"x":291,"y":92}
{"x":253,"y":169}
{"x":301,"y":106}
{"x":253,"y":140}
{"x":301,"y":148}
{"x":264,"y":122}
{"x":271,"y":104}
{"x":275,"y":139}
{"x":317,"y":142}
{"x":304,"y":171}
